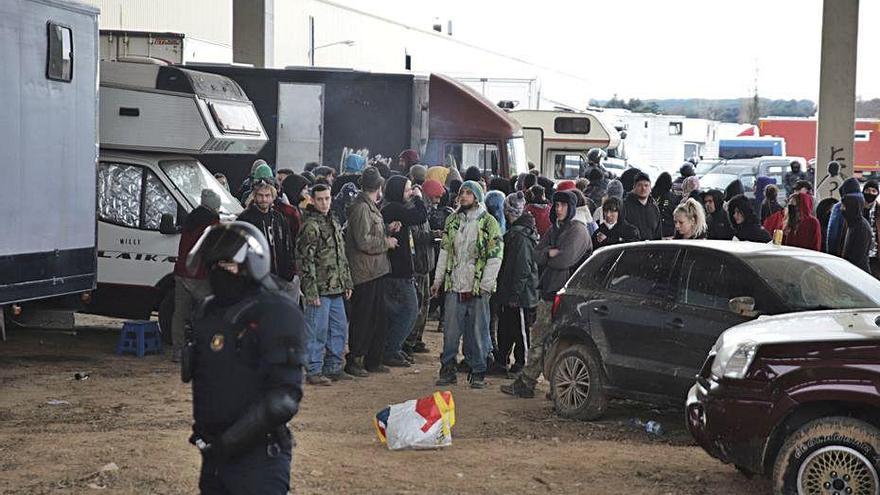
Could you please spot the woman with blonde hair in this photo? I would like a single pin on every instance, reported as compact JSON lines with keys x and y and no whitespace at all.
{"x":690,"y":220}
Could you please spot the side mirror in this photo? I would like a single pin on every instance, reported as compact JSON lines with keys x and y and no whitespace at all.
{"x":742,"y":305}
{"x":166,"y":225}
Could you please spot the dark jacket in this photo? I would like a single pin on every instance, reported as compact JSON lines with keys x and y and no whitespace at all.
{"x":718,"y":224}
{"x":574,"y":245}
{"x":395,"y":210}
{"x":735,"y":188}
{"x":666,"y":203}
{"x":293,"y":215}
{"x":342,"y":180}
{"x":858,"y":233}
{"x":193,"y":226}
{"x":620,"y":233}
{"x":275,"y":228}
{"x":365,"y":245}
{"x":644,"y":217}
{"x":750,"y":229}
{"x":518,"y":276}
{"x":596,"y":190}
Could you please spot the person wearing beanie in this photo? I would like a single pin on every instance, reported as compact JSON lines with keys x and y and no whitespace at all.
{"x":528,"y":181}
{"x":628,"y":179}
{"x":406,"y":159}
{"x":438,"y":173}
{"x":640,"y":211}
{"x":539,"y":208}
{"x":684,"y":172}
{"x":189,"y":288}
{"x":548,"y":185}
{"x":473,"y":173}
{"x":418,"y":174}
{"x":245,"y":187}
{"x":467,"y":269}
{"x":558,"y":254}
{"x":452,"y":175}
{"x":836,"y":231}
{"x":294,"y":189}
{"x":261,"y":173}
{"x":517,"y":293}
{"x":404,"y":208}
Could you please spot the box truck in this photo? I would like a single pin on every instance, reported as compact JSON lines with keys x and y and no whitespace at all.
{"x":157,"y":121}
{"x":48,"y":129}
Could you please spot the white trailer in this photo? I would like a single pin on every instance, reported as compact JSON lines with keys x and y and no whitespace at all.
{"x":557,"y":142}
{"x":173,"y":48}
{"x":48,"y":133}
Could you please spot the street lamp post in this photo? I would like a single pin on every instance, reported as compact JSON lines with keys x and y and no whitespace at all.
{"x":312,"y":50}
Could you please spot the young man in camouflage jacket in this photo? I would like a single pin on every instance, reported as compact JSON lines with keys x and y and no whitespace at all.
{"x":326,"y":280}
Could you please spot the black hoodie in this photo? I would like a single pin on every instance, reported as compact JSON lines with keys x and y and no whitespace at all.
{"x":735,"y":188}
{"x":858,"y":232}
{"x":395,"y":209}
{"x":750,"y":229}
{"x":718,"y":223}
{"x":644,"y":217}
{"x":666,"y":203}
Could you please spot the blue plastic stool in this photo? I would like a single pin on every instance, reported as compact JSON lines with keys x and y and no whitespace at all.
{"x":140,"y":338}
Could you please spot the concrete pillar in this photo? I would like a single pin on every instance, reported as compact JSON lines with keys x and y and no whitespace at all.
{"x":253,"y":32}
{"x":837,"y":94}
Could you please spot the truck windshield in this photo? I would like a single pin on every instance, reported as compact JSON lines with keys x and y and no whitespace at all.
{"x":190,"y":177}
{"x":516,"y":152}
{"x":817,"y":282}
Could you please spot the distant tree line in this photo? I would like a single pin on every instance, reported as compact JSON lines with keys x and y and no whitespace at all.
{"x":725,"y":110}
{"x":869,"y":109}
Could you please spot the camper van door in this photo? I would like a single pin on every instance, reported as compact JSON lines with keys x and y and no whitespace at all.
{"x":300,"y":124}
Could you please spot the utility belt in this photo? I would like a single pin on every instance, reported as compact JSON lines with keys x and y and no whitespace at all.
{"x":278,"y":441}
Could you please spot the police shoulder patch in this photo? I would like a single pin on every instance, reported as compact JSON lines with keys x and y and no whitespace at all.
{"x":217,"y":342}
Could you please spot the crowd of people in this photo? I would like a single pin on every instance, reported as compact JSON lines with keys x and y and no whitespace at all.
{"x":374,"y":248}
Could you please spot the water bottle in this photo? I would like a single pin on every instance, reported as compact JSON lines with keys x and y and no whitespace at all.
{"x":654,"y":428}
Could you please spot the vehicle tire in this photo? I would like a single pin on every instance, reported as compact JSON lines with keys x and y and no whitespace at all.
{"x":829,"y":455}
{"x":166,"y":315}
{"x":577,"y":383}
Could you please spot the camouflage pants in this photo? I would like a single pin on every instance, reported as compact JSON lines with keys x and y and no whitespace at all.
{"x":535,"y":365}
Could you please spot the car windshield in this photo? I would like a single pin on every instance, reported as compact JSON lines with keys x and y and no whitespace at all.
{"x":717,"y":181}
{"x":190,"y":177}
{"x":817,"y":282}
{"x":706,"y":166}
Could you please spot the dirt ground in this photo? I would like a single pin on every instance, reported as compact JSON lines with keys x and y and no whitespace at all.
{"x":135,"y":414}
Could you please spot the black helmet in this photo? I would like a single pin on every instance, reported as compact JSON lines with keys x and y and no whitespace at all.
{"x":795,"y":166}
{"x":687,"y":170}
{"x":595,"y":155}
{"x":693,"y":160}
{"x":239,"y":242}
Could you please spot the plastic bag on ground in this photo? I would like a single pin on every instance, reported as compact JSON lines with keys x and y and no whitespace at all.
{"x":425,"y":423}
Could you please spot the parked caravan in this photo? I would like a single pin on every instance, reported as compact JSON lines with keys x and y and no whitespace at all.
{"x":313,"y":114}
{"x":48,"y":130}
{"x":558,"y":142}
{"x":156,"y":121}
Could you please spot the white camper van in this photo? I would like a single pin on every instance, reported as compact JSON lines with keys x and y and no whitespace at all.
{"x":48,"y":134}
{"x":557,"y":142}
{"x":155,"y":121}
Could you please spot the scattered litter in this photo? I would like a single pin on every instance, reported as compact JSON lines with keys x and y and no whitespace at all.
{"x":651,"y":427}
{"x":425,"y":423}
{"x":56,"y":402}
{"x":96,"y":486}
{"x":109,"y":467}
{"x":460,"y":475}
{"x":81,"y":375}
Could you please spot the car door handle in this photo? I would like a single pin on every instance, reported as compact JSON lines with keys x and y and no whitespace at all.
{"x":675,"y":323}
{"x":601,"y":310}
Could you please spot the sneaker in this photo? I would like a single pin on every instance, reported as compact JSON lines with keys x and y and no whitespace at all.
{"x":355,"y":367}
{"x":318,"y":380}
{"x":420,"y":348}
{"x":477,"y":380}
{"x":447,"y":376}
{"x":518,"y":389}
{"x":339,"y":376}
{"x":463,"y":366}
{"x":396,"y":362}
{"x":408,"y":357}
{"x":378,"y":369}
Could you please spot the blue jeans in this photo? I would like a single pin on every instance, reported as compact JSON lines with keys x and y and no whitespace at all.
{"x":402,"y":305}
{"x":328,"y":328}
{"x":468,"y":320}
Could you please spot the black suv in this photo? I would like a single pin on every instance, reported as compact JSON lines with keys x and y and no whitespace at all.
{"x":637,"y":320}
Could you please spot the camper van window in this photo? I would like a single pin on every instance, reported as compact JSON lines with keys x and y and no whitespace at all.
{"x":119,"y":194}
{"x":190,"y":177}
{"x":484,"y":156}
{"x":59,"y":66}
{"x":157,"y":202}
{"x":567,"y":166}
{"x":571,"y":125}
{"x":235,"y":118}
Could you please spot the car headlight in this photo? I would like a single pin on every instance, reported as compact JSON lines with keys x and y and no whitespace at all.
{"x":734,"y":362}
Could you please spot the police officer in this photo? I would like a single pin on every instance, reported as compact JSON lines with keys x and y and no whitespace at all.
{"x":594,"y":160}
{"x":245,"y":358}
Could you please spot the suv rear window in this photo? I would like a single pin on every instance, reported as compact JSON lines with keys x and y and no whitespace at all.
{"x":595,"y":270}
{"x":645,"y":272}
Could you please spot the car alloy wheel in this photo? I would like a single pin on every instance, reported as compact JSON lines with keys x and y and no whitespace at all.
{"x":837,"y":469}
{"x":572,"y":382}
{"x":577,"y":383}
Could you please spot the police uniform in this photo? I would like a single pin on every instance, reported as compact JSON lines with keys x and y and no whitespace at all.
{"x":245,"y":358}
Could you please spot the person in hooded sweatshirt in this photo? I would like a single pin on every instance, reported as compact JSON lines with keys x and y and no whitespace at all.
{"x":401,"y":299}
{"x":641,"y":211}
{"x":733,"y":189}
{"x":628,"y":179}
{"x":716,"y":218}
{"x":494,"y":201}
{"x":759,"y":189}
{"x":661,"y":193}
{"x":611,"y":229}
{"x":790,"y":179}
{"x":800,"y":228}
{"x":745,"y":222}
{"x":857,"y":241}
{"x":539,"y":208}
{"x":836,"y":230}
{"x":351,"y":173}
{"x":596,"y":188}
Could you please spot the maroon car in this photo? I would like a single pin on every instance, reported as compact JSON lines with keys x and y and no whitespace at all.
{"x":795,"y":397}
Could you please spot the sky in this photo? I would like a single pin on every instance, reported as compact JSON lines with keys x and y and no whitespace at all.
{"x":655,"y":49}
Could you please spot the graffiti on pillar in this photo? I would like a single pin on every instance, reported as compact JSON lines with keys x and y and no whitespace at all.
{"x":836,"y":174}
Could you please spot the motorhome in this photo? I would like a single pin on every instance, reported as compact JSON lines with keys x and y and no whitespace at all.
{"x":156,"y":123}
{"x":313,"y":114}
{"x":49,"y":135}
{"x":558,"y":142}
